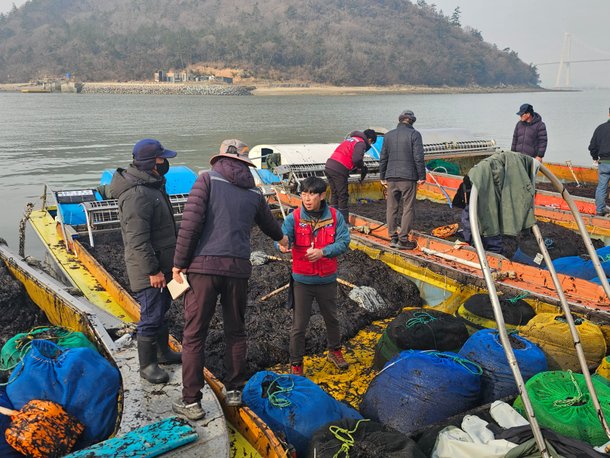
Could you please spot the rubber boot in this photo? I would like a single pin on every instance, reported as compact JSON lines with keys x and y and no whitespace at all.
{"x":147,"y":353}
{"x":166,"y":355}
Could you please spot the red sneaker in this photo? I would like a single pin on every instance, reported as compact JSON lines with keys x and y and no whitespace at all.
{"x":297,"y":369}
{"x":336,"y":357}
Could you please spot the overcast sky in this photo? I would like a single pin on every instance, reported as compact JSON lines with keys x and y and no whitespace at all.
{"x":535,"y":30}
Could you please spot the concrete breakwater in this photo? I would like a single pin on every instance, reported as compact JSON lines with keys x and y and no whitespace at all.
{"x":165,"y":89}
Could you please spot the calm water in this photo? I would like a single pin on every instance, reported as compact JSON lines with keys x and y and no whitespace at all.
{"x":66,"y":140}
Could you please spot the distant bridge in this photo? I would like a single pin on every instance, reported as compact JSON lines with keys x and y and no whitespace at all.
{"x":565,"y":61}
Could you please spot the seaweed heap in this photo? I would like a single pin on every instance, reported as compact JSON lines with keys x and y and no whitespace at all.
{"x":269,"y":322}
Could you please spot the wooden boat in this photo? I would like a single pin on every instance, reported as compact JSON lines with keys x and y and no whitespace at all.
{"x":140,"y":403}
{"x":249,"y":435}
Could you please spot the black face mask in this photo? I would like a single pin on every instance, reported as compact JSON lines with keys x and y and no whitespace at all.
{"x":163,"y":168}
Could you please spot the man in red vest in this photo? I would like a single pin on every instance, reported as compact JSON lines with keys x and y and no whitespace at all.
{"x":317,"y":234}
{"x":348,"y":157}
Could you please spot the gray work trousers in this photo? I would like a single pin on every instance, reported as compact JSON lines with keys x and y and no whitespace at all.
{"x":401,"y":191}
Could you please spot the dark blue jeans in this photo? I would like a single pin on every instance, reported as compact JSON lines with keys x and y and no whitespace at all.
{"x":493,"y":244}
{"x":154,"y":304}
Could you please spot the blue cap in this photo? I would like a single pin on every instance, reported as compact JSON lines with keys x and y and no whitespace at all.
{"x":149,"y":148}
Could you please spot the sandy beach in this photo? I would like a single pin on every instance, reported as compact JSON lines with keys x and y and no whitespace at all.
{"x":270,"y":89}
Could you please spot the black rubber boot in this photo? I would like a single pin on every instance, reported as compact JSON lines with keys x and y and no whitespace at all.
{"x":147,"y":353}
{"x":166,"y":355}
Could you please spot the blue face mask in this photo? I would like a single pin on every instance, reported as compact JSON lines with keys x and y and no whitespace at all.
{"x":163,"y":168}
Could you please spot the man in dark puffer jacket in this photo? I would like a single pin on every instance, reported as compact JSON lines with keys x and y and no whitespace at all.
{"x":214,"y":247}
{"x":530,"y":135}
{"x":149,"y":235}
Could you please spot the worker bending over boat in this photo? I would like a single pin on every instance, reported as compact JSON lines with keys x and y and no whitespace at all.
{"x":318,"y":234}
{"x":214,"y":248}
{"x":347,"y":157}
{"x":401,"y":169}
{"x":600,"y":152}
{"x":149,"y":235}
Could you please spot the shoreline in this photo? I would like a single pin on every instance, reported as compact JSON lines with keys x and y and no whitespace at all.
{"x":269,"y":89}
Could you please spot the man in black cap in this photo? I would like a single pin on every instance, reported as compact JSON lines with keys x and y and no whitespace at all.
{"x":530,"y":135}
{"x":600,"y":152}
{"x":401,"y":169}
{"x":214,"y":247}
{"x":149,"y":235}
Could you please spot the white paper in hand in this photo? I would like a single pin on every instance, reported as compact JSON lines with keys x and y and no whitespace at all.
{"x":178,"y":289}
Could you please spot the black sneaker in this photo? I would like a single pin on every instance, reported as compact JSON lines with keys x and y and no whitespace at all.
{"x":192,"y":411}
{"x":394,"y":241}
{"x":408,"y":245}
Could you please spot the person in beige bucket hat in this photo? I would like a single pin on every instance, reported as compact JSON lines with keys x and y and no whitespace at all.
{"x":213,"y":248}
{"x":235,"y":149}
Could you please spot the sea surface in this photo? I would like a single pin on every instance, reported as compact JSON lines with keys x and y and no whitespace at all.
{"x":66,"y":140}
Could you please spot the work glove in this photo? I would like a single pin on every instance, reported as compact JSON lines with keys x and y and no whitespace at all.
{"x":363,"y":171}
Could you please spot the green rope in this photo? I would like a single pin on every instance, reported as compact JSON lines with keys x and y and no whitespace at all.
{"x":419,"y":318}
{"x":513,"y":300}
{"x":277,"y":397}
{"x":465,"y":363}
{"x":23,"y":343}
{"x":577,"y":400}
{"x":347,"y":441}
{"x":563,"y":319}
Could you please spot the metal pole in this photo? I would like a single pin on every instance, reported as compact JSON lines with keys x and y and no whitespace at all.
{"x":495,"y":302}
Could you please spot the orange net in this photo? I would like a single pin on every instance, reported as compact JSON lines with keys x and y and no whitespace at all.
{"x":43,"y":429}
{"x":445,"y":231}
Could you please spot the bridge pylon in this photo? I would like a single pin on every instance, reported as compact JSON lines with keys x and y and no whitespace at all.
{"x":564,"y":63}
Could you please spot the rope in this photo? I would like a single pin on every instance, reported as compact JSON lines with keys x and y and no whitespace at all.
{"x":347,"y":441}
{"x":563,"y":319}
{"x":513,"y":300}
{"x":28,"y":211}
{"x":23,"y":344}
{"x":571,"y":401}
{"x":465,"y":363}
{"x":419,"y":318}
{"x":276,"y":397}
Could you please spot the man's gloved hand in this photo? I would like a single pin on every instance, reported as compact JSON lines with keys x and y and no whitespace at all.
{"x":363,"y":171}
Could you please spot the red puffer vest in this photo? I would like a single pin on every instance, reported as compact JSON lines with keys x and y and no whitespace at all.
{"x":343,"y":152}
{"x":304,"y":239}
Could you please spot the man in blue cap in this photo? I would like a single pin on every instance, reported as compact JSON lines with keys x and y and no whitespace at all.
{"x":149,"y":235}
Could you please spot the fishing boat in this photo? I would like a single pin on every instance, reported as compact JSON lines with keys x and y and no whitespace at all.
{"x":141,"y":407}
{"x":75,"y":216}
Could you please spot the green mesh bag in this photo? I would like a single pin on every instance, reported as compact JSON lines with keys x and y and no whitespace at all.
{"x":439,"y":165}
{"x":561,"y":402}
{"x":19,"y":345}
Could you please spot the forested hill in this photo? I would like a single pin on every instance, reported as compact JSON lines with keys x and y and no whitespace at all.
{"x":342,"y":42}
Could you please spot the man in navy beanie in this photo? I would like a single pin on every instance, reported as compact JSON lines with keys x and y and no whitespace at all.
{"x":149,"y":235}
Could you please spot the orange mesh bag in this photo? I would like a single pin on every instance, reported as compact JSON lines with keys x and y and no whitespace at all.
{"x":42,"y":429}
{"x":444,"y":232}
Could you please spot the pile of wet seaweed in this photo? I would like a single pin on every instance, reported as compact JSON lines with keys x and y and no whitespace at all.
{"x":268,"y":322}
{"x":17,"y":312}
{"x":429,"y":215}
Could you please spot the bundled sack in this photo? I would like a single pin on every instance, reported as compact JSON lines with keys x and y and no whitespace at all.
{"x":361,"y":439}
{"x":418,"y":388}
{"x":582,"y":266}
{"x":561,"y":402}
{"x":43,"y":429}
{"x":477,"y":312}
{"x":79,"y":379}
{"x":17,"y":346}
{"x":420,"y":329}
{"x":485,"y":349}
{"x":603,"y":369}
{"x":6,"y":450}
{"x":294,"y":406}
{"x":551,"y":333}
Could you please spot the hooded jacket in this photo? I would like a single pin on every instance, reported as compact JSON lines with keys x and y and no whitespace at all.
{"x":147,"y":224}
{"x":530,"y":137}
{"x":222,"y":207}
